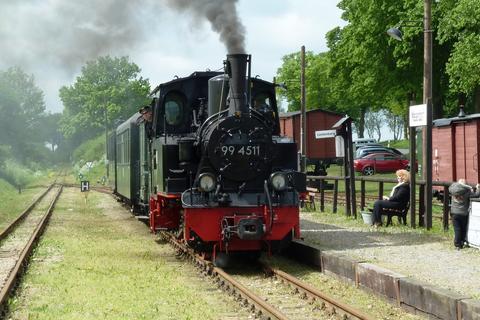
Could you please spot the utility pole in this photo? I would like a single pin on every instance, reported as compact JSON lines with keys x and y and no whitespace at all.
{"x":106,"y":140}
{"x":303,"y":116}
{"x":427,"y":99}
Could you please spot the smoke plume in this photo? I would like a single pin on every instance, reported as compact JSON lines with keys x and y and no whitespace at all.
{"x":223,"y":17}
{"x":68,"y":33}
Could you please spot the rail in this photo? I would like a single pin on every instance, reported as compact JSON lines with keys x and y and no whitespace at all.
{"x":14,"y":273}
{"x":440,"y":186}
{"x":253,"y":301}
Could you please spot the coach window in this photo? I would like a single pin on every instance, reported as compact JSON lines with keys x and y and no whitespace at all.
{"x":174,"y":108}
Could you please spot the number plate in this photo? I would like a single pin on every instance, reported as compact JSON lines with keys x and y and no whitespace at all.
{"x":242,"y":150}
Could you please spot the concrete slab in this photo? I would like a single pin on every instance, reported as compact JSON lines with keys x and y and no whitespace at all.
{"x":469,"y":309}
{"x":379,"y":280}
{"x":431,"y":300}
{"x":339,"y":265}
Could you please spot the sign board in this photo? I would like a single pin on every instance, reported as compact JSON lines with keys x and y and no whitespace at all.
{"x":473,"y":233}
{"x":418,"y":115}
{"x":84,"y":185}
{"x":322,"y":134}
{"x":339,"y":147}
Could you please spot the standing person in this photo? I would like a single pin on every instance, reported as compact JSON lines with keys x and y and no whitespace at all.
{"x":461,"y":193}
{"x":398,"y":198}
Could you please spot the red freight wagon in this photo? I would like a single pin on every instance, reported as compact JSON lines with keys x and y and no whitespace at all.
{"x":320,"y":152}
{"x":455,"y":149}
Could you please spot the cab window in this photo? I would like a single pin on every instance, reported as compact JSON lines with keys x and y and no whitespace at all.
{"x":262,"y":101}
{"x":174,"y":109}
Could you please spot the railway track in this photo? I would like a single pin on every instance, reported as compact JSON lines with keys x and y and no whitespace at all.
{"x":19,"y":238}
{"x":271,"y":293}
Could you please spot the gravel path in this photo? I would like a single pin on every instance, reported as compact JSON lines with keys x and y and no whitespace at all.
{"x":425,"y":257}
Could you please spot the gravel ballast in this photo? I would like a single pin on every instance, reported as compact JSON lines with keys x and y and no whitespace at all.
{"x":427,"y":257}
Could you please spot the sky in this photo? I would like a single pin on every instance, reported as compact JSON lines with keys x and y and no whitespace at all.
{"x":53,"y":39}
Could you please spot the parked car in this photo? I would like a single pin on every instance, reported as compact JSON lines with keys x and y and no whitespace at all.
{"x":364,"y":141}
{"x":380,"y":162}
{"x":363,"y":151}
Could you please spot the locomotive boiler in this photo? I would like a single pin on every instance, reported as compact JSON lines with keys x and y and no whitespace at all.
{"x":221,"y":175}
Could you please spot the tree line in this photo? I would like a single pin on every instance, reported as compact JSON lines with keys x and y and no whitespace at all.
{"x":364,"y":74}
{"x":365,"y":70}
{"x":32,"y":138}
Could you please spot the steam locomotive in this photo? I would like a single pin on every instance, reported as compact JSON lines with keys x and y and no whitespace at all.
{"x":212,"y":165}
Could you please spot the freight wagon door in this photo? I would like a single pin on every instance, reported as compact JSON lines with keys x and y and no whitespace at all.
{"x":466,"y":151}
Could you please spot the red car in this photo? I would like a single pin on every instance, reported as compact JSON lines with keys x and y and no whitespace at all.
{"x":380,"y":162}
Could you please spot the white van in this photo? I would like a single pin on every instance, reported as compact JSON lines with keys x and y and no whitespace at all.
{"x":364,"y":141}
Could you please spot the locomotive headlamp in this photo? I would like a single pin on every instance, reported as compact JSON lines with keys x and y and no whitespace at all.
{"x":278,"y":180}
{"x":207,"y":182}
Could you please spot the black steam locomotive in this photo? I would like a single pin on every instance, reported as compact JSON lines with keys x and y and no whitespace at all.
{"x":212,"y":164}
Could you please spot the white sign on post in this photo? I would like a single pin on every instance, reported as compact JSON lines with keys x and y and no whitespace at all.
{"x":339,"y":147}
{"x":322,"y":134}
{"x":418,"y":115}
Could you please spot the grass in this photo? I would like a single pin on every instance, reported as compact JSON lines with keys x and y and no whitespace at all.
{"x":95,"y":263}
{"x":13,"y":203}
{"x":341,"y":219}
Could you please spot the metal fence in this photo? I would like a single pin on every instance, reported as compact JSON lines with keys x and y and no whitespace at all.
{"x":323,"y":187}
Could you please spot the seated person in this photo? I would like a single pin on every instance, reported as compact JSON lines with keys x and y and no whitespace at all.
{"x":398,"y":198}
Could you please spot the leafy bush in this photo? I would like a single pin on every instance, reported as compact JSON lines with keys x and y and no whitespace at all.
{"x":16,"y":174}
{"x":90,"y":150}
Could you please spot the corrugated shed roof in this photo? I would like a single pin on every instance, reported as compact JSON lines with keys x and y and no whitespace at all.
{"x":296,"y":113}
{"x":448,"y":121}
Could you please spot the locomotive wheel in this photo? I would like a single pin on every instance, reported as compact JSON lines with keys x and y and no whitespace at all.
{"x":368,"y":171}
{"x":221,"y":260}
{"x":181,"y":226}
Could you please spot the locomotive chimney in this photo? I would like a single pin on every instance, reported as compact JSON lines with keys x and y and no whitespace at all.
{"x":236,"y":69}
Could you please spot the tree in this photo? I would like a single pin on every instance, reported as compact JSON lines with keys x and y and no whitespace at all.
{"x":459,"y":27}
{"x":374,"y":121}
{"x":395,"y":123}
{"x":21,"y":107}
{"x":361,"y":59}
{"x":49,"y":129}
{"x":108,"y":88}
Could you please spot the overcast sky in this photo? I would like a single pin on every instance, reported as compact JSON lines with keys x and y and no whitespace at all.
{"x":52,"y":39}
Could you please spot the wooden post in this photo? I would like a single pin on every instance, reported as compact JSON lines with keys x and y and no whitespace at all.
{"x":322,"y":197}
{"x":362,"y":194}
{"x":421,"y":206}
{"x":303,"y":116}
{"x":335,"y":196}
{"x":445,"y":208}
{"x":380,"y":190}
{"x":351,"y":170}
{"x":413,"y":169}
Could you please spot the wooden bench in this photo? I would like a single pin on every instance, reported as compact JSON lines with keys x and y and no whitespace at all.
{"x":400,"y":213}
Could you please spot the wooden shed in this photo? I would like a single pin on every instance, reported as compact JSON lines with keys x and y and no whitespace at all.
{"x":318,"y":150}
{"x":455,"y":148}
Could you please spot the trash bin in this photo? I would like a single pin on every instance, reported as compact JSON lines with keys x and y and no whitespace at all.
{"x":368,"y":217}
